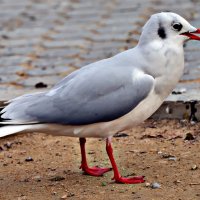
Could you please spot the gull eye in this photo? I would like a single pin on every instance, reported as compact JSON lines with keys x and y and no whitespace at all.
{"x":177,"y":26}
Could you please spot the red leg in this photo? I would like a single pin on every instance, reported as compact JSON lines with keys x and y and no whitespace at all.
{"x":93,"y":171}
{"x":117,"y":177}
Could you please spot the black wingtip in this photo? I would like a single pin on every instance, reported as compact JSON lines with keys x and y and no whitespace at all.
{"x":3,"y":104}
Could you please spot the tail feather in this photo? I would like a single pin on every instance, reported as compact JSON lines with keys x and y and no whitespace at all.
{"x":9,"y":130}
{"x":10,"y":127}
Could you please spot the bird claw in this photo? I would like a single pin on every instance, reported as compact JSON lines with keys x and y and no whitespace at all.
{"x":131,"y":180}
{"x":95,"y":171}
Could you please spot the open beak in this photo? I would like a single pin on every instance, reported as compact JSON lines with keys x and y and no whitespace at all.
{"x":191,"y":35}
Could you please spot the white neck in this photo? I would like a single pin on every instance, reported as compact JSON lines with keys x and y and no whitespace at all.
{"x":167,"y":64}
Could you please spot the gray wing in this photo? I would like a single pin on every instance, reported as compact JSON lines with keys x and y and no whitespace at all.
{"x":90,"y":95}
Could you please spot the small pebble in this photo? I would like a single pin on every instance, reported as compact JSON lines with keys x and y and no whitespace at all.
{"x":177,"y":181}
{"x":63,"y":197}
{"x":22,"y":197}
{"x":193,"y":122}
{"x":25,"y":180}
{"x":103,"y":184}
{"x":194,"y":167}
{"x":147,"y":184}
{"x":70,"y":194}
{"x":29,"y":159}
{"x":5,"y":37}
{"x":8,"y":145}
{"x":168,"y":156}
{"x":57,"y":178}
{"x":155,"y":185}
{"x":40,"y":85}
{"x":189,"y":136}
{"x":5,"y":164}
{"x":183,"y":122}
{"x":9,"y":156}
{"x":91,"y":152}
{"x":160,"y":152}
{"x":172,"y":158}
{"x":54,"y":193}
{"x":37,"y":178}
{"x":121,"y":135}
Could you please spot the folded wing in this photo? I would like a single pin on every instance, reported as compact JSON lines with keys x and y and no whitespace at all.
{"x":91,"y":95}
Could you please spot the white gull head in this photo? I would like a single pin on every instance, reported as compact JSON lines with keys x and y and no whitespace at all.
{"x":168,"y":26}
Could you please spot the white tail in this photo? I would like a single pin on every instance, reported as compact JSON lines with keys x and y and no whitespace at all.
{"x":9,"y":130}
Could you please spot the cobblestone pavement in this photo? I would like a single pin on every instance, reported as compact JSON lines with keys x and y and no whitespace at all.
{"x":41,"y":41}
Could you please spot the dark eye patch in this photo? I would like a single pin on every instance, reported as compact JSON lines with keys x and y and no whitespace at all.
{"x":177,"y":26}
{"x":161,"y":32}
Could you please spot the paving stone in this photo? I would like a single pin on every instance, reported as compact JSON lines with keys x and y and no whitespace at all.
{"x":116,"y":30}
{"x":61,"y":52}
{"x":8,"y":79}
{"x":24,"y":32}
{"x":8,"y":70}
{"x":20,"y":42}
{"x":49,"y":70}
{"x":51,"y":62}
{"x":108,"y":45}
{"x":189,"y":86}
{"x":13,"y":60}
{"x":97,"y":55}
{"x":110,"y":37}
{"x":68,"y":35}
{"x":13,"y":51}
{"x":64,"y":43}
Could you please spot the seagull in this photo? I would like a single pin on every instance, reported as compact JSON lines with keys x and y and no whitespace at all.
{"x":108,"y":96}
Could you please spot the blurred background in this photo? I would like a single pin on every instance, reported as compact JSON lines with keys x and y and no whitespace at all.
{"x":41,"y":41}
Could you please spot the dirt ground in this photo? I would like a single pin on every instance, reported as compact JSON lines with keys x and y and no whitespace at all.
{"x":37,"y":166}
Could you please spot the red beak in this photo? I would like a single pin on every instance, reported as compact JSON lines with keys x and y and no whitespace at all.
{"x":192,"y":36}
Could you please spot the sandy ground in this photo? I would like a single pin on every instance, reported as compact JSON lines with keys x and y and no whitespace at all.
{"x":156,"y":149}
